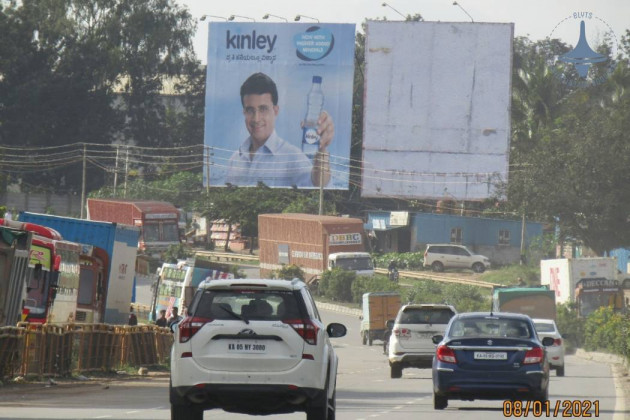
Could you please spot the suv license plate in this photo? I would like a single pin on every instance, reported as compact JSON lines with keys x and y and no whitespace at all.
{"x":490,"y":355}
{"x":246,"y":347}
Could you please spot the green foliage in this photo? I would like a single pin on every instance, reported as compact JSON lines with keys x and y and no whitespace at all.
{"x":403,"y":260}
{"x":464,"y":298}
{"x":365,"y":284}
{"x":571,"y":327}
{"x":336,"y":284}
{"x":508,"y":275}
{"x":177,"y":252}
{"x":608,"y":330}
{"x":289,"y":272}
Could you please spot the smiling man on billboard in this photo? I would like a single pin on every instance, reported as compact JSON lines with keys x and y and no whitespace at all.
{"x":264,"y":155}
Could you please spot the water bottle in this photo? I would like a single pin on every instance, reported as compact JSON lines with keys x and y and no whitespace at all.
{"x":314,"y":106}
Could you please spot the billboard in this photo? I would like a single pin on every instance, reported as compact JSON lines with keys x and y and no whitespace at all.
{"x":258,"y":138}
{"x":436,"y":109}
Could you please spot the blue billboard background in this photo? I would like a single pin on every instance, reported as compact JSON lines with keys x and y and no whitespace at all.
{"x":286,"y":53}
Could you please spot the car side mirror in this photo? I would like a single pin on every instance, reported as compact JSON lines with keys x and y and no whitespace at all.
{"x":390,"y":324}
{"x":437,"y":338}
{"x":547,"y":341}
{"x":336,"y":330}
{"x":174,"y":326}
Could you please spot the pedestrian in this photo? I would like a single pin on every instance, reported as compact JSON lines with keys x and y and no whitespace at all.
{"x":133,"y":320}
{"x":175,"y":318}
{"x":161,"y":321}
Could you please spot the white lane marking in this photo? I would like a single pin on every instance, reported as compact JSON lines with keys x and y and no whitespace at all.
{"x":132,"y":412}
{"x":102,"y":417}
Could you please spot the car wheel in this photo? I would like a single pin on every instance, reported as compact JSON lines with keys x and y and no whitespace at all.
{"x":560,"y":371}
{"x":318,"y":407}
{"x":395,"y":370}
{"x":437,"y":266}
{"x":478,"y":268}
{"x":364,"y":338}
{"x":439,"y":402}
{"x":185,"y":412}
{"x":543,"y":395}
{"x":332,"y":405}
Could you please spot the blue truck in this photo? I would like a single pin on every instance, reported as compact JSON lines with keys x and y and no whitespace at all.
{"x":119,"y":241}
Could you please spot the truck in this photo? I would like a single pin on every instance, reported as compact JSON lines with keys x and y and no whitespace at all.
{"x":115,"y":245}
{"x":15,"y":246}
{"x":562,"y":274}
{"x":158,"y":221}
{"x":537,"y":302}
{"x":312,"y":242}
{"x":594,"y":293}
{"x":378,"y":308}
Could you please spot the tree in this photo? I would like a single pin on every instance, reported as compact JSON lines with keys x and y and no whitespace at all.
{"x":572,"y":168}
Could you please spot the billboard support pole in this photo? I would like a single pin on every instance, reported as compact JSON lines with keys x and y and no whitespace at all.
{"x":321,"y":185}
{"x":83,"y":183}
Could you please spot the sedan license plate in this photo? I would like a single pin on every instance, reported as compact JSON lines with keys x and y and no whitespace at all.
{"x":490,"y":355}
{"x":424,"y":334}
{"x":246,"y":347}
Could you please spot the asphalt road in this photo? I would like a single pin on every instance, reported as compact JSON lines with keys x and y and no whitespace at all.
{"x":364,"y":391}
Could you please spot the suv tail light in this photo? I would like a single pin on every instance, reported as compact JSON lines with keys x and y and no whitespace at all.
{"x":534,"y":355}
{"x":305,"y":328}
{"x":446,"y":354}
{"x":402,"y":332}
{"x":189,"y":327}
{"x":557,"y":342}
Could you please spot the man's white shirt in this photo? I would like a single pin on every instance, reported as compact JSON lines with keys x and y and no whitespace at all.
{"x":276,"y":163}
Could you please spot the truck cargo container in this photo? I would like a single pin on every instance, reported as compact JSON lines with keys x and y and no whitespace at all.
{"x":158,"y":220}
{"x":119,"y":242}
{"x":307,"y":241}
{"x":15,"y":247}
{"x":562,"y":274}
{"x":537,"y":302}
{"x":378,"y":308}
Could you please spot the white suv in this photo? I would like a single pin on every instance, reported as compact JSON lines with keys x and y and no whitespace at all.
{"x":254,"y":347}
{"x":410,"y":344}
{"x":441,"y":256}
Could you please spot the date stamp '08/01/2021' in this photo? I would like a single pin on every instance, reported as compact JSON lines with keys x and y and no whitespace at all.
{"x":559,"y":408}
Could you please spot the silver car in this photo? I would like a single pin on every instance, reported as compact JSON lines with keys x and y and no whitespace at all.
{"x":555,"y":352}
{"x":410,"y":343}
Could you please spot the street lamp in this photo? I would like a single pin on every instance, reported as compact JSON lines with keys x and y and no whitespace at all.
{"x":278,"y":17}
{"x":387,"y":5}
{"x":212,"y":16}
{"x":298,"y":17}
{"x":232,"y":17}
{"x":460,"y":6}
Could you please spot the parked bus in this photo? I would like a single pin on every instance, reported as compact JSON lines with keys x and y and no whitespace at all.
{"x":177,"y":283}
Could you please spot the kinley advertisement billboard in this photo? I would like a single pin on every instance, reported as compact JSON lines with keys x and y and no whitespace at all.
{"x":260,"y":78}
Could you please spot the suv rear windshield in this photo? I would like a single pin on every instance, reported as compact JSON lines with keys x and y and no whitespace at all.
{"x":490,"y":327}
{"x":246,"y":304}
{"x":426,"y":316}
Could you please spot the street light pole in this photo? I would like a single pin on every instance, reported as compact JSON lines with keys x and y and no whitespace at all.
{"x":388,"y":5}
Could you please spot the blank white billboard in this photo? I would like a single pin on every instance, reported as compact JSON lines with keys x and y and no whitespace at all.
{"x":436,"y":109}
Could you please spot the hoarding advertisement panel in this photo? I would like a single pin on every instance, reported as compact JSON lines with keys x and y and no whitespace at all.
{"x":437,"y":109}
{"x":264,"y":137}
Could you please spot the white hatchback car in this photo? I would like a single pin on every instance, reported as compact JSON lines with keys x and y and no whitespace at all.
{"x":555,"y":353}
{"x":410,"y":344}
{"x":254,"y":347}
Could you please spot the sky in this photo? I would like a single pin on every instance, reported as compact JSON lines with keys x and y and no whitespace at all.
{"x":535,"y":19}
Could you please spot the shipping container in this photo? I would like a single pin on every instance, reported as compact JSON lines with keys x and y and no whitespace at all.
{"x":158,"y":220}
{"x":119,"y":241}
{"x":306,"y":240}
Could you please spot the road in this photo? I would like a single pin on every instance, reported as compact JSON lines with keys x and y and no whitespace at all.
{"x":364,"y":392}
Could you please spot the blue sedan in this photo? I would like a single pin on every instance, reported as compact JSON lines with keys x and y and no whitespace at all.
{"x":491,"y":356}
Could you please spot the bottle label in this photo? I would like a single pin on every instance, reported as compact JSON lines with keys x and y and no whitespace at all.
{"x":310,"y":135}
